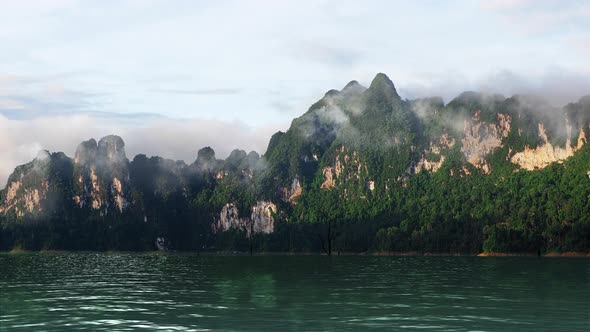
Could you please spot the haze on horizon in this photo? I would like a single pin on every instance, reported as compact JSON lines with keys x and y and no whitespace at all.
{"x":171,"y":77}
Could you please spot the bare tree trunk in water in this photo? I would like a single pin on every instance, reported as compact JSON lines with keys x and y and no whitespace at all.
{"x":322,"y":242}
{"x":329,"y":238}
{"x":329,"y":250}
{"x":251,"y":238}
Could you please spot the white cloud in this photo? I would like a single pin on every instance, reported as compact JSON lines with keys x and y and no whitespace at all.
{"x":558,"y":86}
{"x":542,"y":17}
{"x":505,"y":4}
{"x":21,"y":140}
{"x":219,"y":61}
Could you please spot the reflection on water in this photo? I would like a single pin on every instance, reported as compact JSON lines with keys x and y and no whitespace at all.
{"x":124,"y":292}
{"x":259,"y":290}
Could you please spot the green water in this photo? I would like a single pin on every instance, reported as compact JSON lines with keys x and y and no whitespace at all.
{"x":124,"y":292}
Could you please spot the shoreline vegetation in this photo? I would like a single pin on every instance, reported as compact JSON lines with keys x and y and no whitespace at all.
{"x":392,"y":254}
{"x":362,"y":171}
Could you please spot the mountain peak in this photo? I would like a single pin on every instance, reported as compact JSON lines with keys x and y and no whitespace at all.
{"x":111,"y":150}
{"x":205,"y":154}
{"x":111,"y":140}
{"x":585,"y":100}
{"x":206,"y":159}
{"x":352,"y":87}
{"x":86,"y":151}
{"x":382,"y":83}
{"x":381,"y":80}
{"x":42,"y":155}
{"x":111,"y":145}
{"x":331,"y":93}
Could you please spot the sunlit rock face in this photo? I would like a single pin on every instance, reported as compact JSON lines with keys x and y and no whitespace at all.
{"x":24,"y":200}
{"x":229,"y":218}
{"x":362,"y":144}
{"x":546,"y":153}
{"x":86,"y":183}
{"x":33,"y":188}
{"x":481,"y":139}
{"x":261,"y":219}
{"x":101,"y":174}
{"x":291,"y":193}
{"x":432,"y":158}
{"x":347,"y":166}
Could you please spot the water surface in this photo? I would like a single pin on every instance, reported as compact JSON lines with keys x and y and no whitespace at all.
{"x":127,"y":292}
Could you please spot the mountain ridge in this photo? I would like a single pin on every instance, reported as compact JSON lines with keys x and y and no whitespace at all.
{"x":360,"y":160}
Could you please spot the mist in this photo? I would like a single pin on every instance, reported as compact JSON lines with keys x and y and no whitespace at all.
{"x":21,"y":140}
{"x":557,"y":86}
{"x":180,"y":139}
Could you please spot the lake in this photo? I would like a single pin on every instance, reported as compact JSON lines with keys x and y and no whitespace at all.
{"x":178,"y":292}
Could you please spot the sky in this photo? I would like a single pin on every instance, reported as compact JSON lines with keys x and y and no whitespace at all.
{"x":173,"y":76}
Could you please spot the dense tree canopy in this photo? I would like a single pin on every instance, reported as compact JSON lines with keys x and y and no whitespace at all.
{"x":356,"y":156}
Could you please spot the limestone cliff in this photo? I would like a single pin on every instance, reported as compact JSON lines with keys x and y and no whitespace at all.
{"x":96,"y":178}
{"x":23,"y":200}
{"x":546,"y":154}
{"x":261,"y":219}
{"x":432,"y":158}
{"x":35,"y":188}
{"x":290,"y":194}
{"x":367,"y":146}
{"x":481,"y":138}
{"x":229,"y":219}
{"x":347,"y":166}
{"x":101,"y":174}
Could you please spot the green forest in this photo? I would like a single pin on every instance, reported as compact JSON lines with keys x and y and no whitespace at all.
{"x":355,"y":156}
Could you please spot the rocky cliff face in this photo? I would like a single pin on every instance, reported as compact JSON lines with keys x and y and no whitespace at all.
{"x":362,"y":143}
{"x":347,"y":167}
{"x":101,"y":174}
{"x":432,"y":158}
{"x":290,"y":194}
{"x":229,"y":218}
{"x":35,"y":188}
{"x":480,"y":139}
{"x":546,"y":154}
{"x":23,"y":200}
{"x":86,"y":184}
{"x":98,"y":177}
{"x":261,"y":219}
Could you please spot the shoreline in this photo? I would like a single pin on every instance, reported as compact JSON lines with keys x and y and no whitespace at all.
{"x":240,"y":253}
{"x":549,"y":254}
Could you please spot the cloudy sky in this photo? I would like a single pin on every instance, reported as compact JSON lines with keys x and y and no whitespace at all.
{"x":173,"y":76}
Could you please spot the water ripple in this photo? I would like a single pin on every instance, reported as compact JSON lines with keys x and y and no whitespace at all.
{"x":128,"y":292}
